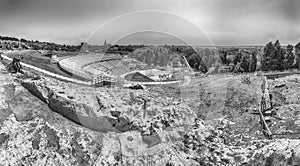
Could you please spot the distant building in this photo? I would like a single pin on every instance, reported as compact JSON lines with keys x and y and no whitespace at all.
{"x":212,"y":70}
{"x":84,"y":47}
{"x":224,"y":69}
{"x":138,"y":77}
{"x":54,"y":59}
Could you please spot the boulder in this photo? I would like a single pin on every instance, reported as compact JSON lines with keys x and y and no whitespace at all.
{"x":3,"y":138}
{"x":37,"y":88}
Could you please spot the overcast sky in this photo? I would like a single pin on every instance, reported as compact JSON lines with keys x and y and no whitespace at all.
{"x":221,"y":22}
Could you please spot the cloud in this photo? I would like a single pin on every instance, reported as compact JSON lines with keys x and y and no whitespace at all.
{"x":235,"y":21}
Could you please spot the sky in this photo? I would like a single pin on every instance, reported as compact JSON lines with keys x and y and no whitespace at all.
{"x":196,"y":22}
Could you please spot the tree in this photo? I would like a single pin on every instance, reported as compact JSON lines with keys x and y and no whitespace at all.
{"x":279,"y":55}
{"x":297,"y":55}
{"x":223,"y":56}
{"x":289,"y":57}
{"x":195,"y":61}
{"x":268,"y":56}
{"x":245,"y":64}
{"x":161,"y":59}
{"x":237,"y":58}
{"x":156,"y":58}
{"x":253,"y":62}
{"x":238,"y":68}
{"x":23,"y":40}
{"x":148,"y":56}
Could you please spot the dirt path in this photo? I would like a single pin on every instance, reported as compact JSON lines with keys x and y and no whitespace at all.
{"x":50,"y":73}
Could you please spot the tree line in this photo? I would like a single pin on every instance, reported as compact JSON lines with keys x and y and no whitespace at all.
{"x":274,"y":57}
{"x":240,"y":60}
{"x":200,"y":59}
{"x":8,"y":38}
{"x":37,"y":45}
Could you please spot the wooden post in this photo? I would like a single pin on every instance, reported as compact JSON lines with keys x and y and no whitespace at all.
{"x":265,"y":127}
{"x":144,"y":108}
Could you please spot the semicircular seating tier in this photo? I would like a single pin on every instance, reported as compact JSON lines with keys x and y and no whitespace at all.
{"x":89,"y":66}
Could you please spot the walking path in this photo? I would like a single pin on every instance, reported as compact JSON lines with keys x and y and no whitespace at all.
{"x":49,"y":73}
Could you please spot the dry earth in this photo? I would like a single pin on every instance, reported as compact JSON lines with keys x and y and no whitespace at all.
{"x":49,"y":122}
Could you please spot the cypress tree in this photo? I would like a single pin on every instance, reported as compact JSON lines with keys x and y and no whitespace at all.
{"x":268,"y":55}
{"x":288,"y":57}
{"x":297,"y":55}
{"x":278,"y":56}
{"x":253,"y":62}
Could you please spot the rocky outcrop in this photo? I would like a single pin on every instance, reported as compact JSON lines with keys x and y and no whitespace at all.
{"x":77,"y":112}
{"x":32,"y":134}
{"x":43,"y":132}
{"x":40,"y":91}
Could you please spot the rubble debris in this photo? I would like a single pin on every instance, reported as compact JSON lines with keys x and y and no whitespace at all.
{"x":266,"y":112}
{"x":15,"y":66}
{"x":3,"y":138}
{"x":144,"y":107}
{"x":135,"y":86}
{"x":151,"y":139}
{"x":121,"y":124}
{"x":169,"y":134}
{"x":115,"y":113}
{"x":245,"y":80}
{"x":99,"y":103}
{"x":37,"y":78}
{"x":279,"y":85}
{"x":27,"y":74}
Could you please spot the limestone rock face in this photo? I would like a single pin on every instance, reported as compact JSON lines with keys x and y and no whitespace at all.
{"x":76,"y":111}
{"x":49,"y":122}
{"x":39,"y":90}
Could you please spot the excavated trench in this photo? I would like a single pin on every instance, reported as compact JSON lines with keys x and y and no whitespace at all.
{"x":65,"y":106}
{"x":62,"y":104}
{"x":84,"y":115}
